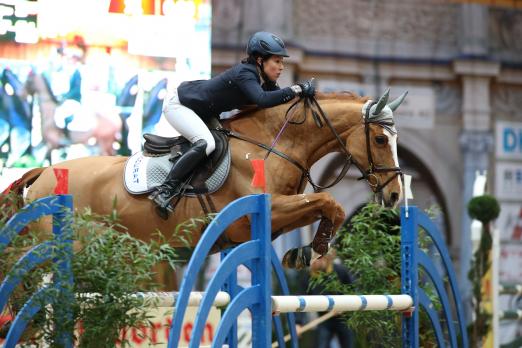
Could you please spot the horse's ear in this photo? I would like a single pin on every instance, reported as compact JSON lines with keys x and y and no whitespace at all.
{"x":382,"y":102}
{"x":395,"y":103}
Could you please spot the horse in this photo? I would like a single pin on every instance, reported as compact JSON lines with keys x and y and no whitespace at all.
{"x":357,"y":127}
{"x":105,"y":128}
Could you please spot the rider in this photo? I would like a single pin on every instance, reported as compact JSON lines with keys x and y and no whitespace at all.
{"x":253,"y":81}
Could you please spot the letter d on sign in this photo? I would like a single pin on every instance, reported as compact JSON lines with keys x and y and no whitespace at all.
{"x":509,"y":140}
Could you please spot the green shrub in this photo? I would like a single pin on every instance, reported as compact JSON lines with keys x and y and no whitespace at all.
{"x":484,"y":208}
{"x":107,"y":262}
{"x":370,"y":248}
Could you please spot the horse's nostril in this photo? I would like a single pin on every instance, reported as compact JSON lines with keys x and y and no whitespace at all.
{"x":394,"y":196}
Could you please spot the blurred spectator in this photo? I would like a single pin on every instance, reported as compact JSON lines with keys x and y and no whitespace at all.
{"x":335,"y":326}
{"x":69,"y":93}
{"x":73,"y":58}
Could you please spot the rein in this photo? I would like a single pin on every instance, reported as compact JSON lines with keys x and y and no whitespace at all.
{"x":319,"y":117}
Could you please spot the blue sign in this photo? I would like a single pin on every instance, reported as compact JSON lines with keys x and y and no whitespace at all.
{"x":509,"y":140}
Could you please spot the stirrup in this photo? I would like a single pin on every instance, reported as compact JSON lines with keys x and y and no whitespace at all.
{"x":161,"y":191}
{"x":163,"y":209}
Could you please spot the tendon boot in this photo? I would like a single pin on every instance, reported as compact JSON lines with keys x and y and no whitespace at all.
{"x":178,"y":173}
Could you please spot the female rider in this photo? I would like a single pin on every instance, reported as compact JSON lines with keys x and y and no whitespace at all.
{"x":253,"y":81}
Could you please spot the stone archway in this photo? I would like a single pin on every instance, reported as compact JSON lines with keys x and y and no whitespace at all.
{"x":427,"y":190}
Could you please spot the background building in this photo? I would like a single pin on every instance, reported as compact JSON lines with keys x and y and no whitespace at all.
{"x":460,"y":62}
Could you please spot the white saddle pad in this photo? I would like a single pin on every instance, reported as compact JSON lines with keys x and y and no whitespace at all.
{"x":143,"y":173}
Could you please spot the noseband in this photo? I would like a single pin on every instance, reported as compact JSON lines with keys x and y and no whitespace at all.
{"x":320,"y":119}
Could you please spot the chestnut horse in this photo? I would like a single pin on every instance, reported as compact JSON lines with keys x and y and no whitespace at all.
{"x":362,"y":130}
{"x":105,"y":129}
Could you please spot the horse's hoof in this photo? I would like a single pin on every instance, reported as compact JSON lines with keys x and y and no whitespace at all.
{"x":297,"y":258}
{"x":321,"y":264}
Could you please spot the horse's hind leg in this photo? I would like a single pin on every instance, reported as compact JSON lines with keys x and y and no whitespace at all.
{"x":290,"y":212}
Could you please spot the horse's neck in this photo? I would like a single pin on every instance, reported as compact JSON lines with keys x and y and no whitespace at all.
{"x":304,"y":142}
{"x":42,"y":87}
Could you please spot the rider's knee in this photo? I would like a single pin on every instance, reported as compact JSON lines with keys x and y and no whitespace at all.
{"x":211,"y":143}
{"x":211,"y":146}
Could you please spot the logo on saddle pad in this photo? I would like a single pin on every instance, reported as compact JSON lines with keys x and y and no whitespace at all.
{"x":144,"y":171}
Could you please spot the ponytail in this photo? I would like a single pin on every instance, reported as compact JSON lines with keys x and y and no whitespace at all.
{"x":252,"y":59}
{"x":249,"y":60}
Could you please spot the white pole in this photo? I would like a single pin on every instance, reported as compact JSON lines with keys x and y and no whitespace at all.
{"x":408,"y":194}
{"x":168,"y":299}
{"x":286,"y":304}
{"x":340,"y":303}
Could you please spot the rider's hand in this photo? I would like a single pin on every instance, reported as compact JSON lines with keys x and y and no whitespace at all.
{"x":307,"y":88}
{"x":296,"y":89}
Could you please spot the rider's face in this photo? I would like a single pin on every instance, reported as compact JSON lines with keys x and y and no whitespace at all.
{"x":273,"y":67}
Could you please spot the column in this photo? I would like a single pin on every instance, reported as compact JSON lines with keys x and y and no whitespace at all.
{"x":476,"y":142}
{"x":476,"y":139}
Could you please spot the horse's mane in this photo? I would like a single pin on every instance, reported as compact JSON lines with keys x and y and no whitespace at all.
{"x":46,"y":84}
{"x":343,"y":95}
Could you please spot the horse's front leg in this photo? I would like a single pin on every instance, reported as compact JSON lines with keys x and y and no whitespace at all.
{"x":290,"y":212}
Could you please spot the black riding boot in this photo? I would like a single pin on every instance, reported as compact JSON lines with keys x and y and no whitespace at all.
{"x":179,"y":172}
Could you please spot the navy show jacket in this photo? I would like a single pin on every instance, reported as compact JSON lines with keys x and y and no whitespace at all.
{"x":233,"y":89}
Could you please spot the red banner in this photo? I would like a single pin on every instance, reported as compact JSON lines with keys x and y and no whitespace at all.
{"x":62,"y":181}
{"x":259,"y":174}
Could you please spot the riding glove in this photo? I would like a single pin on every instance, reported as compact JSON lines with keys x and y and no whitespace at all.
{"x":307,"y":88}
{"x":296,"y":89}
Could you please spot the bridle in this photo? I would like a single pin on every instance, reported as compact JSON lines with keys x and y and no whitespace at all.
{"x":372,"y":169}
{"x":320,"y":119}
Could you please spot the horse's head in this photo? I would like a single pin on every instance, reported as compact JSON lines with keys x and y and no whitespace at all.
{"x":37,"y":84}
{"x":30,"y":87}
{"x":373,"y":147}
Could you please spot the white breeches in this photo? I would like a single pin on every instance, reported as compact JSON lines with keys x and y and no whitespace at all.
{"x":187,"y":122}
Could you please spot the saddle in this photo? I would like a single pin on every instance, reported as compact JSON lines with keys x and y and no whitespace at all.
{"x":146,"y":170}
{"x":157,"y":145}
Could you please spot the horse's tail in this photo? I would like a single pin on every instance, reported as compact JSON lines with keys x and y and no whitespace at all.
{"x":12,"y":197}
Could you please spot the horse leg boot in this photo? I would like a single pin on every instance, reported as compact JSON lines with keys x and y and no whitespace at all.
{"x":323,"y":236}
{"x":179,"y":172}
{"x":293,"y":211}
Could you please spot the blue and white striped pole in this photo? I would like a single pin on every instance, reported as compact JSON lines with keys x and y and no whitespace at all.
{"x":340,"y":303}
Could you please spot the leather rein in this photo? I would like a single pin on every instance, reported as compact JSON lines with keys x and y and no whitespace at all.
{"x":320,"y":119}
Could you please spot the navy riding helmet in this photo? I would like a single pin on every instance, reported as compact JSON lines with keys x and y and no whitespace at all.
{"x":266,"y":44}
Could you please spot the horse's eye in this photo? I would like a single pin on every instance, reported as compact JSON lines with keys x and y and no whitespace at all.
{"x":381,"y":139}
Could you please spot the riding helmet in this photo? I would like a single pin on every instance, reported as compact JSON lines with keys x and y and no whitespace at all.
{"x":266,"y":44}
